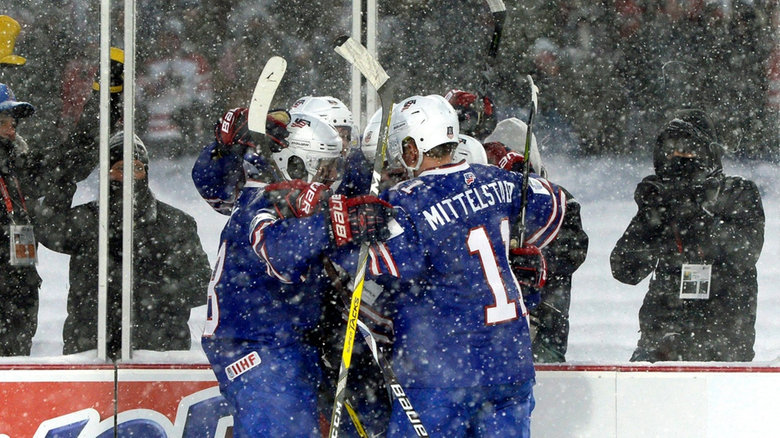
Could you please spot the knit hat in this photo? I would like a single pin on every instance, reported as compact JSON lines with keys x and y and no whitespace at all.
{"x":116,"y":149}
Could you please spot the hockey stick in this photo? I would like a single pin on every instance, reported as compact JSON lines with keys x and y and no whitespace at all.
{"x":392,"y":382}
{"x":498,"y":10}
{"x":526,"y":156}
{"x":264,"y":92}
{"x":358,"y":56}
{"x":394,"y":387}
{"x":263,"y":95}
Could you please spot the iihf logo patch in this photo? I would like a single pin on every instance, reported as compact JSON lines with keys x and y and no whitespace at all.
{"x":450,"y":132}
{"x":242,"y":365}
{"x":469,"y":178}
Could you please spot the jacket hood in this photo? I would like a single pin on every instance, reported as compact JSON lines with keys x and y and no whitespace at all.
{"x":695,"y":133}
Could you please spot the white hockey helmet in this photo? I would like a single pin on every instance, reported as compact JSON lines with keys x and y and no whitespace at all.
{"x":314,"y":150}
{"x":469,"y":149}
{"x":371,"y":136}
{"x":511,"y":132}
{"x":428,"y":120}
{"x":331,"y":110}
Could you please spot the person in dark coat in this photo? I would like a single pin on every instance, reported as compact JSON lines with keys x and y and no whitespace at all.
{"x":170,"y":268}
{"x":19,"y":280}
{"x":699,"y":233}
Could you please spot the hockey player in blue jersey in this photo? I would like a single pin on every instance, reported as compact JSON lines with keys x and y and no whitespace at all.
{"x":222,"y":170}
{"x":256,"y":317}
{"x":462,"y":346}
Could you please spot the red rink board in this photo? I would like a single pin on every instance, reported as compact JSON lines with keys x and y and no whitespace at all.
{"x":31,"y":395}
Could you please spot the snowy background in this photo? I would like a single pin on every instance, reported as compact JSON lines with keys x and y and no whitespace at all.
{"x":604,"y":325}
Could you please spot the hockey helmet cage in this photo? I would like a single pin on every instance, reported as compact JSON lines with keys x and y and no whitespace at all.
{"x":313,"y":146}
{"x":469,"y":149}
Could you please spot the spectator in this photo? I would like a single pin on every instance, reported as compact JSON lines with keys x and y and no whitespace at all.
{"x":173,"y":89}
{"x":700,"y":234}
{"x":20,"y":281}
{"x":170,"y":268}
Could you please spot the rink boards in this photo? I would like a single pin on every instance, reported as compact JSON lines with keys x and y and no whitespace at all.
{"x":181,"y":401}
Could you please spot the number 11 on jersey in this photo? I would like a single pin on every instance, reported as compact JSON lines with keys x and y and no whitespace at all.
{"x":503,"y":309}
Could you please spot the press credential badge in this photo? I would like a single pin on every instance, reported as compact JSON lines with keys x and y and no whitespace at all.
{"x":695,"y":282}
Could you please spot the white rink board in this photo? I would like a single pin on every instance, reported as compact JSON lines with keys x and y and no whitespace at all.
{"x":642,"y":403}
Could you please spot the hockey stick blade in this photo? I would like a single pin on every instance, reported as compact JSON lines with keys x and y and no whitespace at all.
{"x":392,"y":382}
{"x":360,"y":58}
{"x":264,"y":92}
{"x":265,"y":89}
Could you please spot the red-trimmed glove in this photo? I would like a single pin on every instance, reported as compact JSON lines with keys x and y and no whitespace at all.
{"x":529,"y":266}
{"x":503,"y":157}
{"x":359,"y":219}
{"x":297,"y":198}
{"x":232,"y":130}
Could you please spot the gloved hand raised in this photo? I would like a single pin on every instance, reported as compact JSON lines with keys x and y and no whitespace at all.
{"x":297,"y":198}
{"x":529,"y":266}
{"x":232,"y":130}
{"x":651,"y":193}
{"x":359,"y":219}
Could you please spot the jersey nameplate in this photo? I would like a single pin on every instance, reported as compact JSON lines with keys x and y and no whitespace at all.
{"x":468,"y":202}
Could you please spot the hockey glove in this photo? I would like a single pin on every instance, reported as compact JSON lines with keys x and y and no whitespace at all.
{"x":529,"y":266}
{"x":297,"y":198}
{"x":503,"y":157}
{"x":359,"y":219}
{"x":232,"y":130}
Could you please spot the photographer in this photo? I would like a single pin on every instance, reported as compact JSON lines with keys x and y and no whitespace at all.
{"x":700,"y":233}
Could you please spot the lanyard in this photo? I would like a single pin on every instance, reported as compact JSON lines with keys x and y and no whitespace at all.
{"x":9,"y":205}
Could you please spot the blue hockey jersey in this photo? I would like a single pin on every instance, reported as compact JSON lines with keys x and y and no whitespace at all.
{"x":463,"y":322}
{"x":459,"y":321}
{"x":247,"y":300}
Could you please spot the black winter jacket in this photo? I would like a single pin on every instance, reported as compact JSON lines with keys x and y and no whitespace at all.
{"x":720,"y":224}
{"x":170,"y":276}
